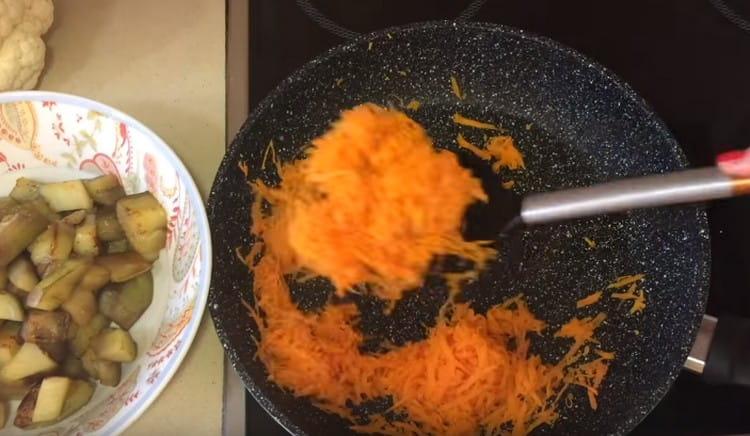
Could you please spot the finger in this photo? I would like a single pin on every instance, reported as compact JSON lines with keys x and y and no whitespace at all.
{"x":735,"y":163}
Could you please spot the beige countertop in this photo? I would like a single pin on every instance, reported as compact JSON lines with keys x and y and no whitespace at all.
{"x":163,"y":63}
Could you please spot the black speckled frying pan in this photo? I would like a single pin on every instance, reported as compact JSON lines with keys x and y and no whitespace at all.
{"x":575,"y":123}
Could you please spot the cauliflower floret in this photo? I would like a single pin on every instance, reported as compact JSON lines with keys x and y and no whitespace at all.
{"x":22,"y":24}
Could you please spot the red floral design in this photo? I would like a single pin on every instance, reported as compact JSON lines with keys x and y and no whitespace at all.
{"x":152,"y":174}
{"x":59,"y":130}
{"x":153,"y":376}
{"x":131,"y":398}
{"x":11,"y":167}
{"x":101,"y":163}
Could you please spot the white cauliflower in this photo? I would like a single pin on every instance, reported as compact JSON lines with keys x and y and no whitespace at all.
{"x":22,"y":24}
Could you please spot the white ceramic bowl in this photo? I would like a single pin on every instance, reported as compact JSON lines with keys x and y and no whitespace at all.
{"x":51,"y":137}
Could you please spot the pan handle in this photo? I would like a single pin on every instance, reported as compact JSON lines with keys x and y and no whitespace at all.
{"x":683,"y":187}
{"x":721,"y":352}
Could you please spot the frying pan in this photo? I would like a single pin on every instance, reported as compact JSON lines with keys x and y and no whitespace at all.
{"x":577,"y":125}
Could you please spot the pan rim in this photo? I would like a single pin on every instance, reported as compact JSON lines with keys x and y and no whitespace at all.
{"x":230,"y":158}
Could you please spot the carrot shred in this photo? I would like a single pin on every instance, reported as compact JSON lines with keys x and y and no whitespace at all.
{"x":504,"y":150}
{"x":468,"y":122}
{"x":465,"y":144}
{"x":589,"y":300}
{"x":244,"y":168}
{"x":509,"y":184}
{"x":413,"y":105}
{"x":456,"y":88}
{"x":623,"y":281}
{"x":269,"y":149}
{"x":634,"y":293}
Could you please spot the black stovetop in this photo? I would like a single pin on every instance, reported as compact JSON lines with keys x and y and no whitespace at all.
{"x":688,"y":60}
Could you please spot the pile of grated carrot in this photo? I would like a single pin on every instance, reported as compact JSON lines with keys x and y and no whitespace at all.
{"x":472,"y":372}
{"x":375,"y":202}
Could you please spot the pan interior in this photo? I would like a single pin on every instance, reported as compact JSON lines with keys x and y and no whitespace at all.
{"x":575,"y":124}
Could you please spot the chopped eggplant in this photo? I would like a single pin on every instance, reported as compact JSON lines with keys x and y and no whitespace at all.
{"x":107,"y":372}
{"x":29,"y":360}
{"x":14,"y":390}
{"x":43,"y":208}
{"x":79,"y":394}
{"x":149,"y":244}
{"x":43,"y":326}
{"x":45,"y":270}
{"x":75,"y":218}
{"x":18,"y":229}
{"x":16,"y":292}
{"x":96,"y":277}
{"x":125,"y":303}
{"x":10,"y":308}
{"x":145,"y":223}
{"x":50,"y":400}
{"x":88,"y":361}
{"x":105,"y":190}
{"x":57,"y":287}
{"x":58,"y":351}
{"x":124,"y":266}
{"x":73,"y":367}
{"x":81,"y":306}
{"x":65,"y":196}
{"x":115,"y":345}
{"x":11,"y":328}
{"x":120,"y":246}
{"x":85,"y":242}
{"x":107,"y":226}
{"x":7,"y":205}
{"x":26,"y":409}
{"x":22,"y":274}
{"x":25,"y":190}
{"x":82,"y":339}
{"x":10,"y":343}
{"x":72,"y":331}
{"x":56,"y":243}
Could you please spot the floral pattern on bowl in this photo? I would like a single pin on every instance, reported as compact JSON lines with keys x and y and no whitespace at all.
{"x":52,"y":136}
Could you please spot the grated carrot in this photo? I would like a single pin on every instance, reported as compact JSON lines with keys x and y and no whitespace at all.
{"x":465,"y":378}
{"x":413,"y":105}
{"x":634,"y":293}
{"x":465,"y":144}
{"x":509,"y":184}
{"x":244,"y":168}
{"x":346,"y":208}
{"x":504,"y":150}
{"x":623,"y":281}
{"x":468,"y":122}
{"x":269,"y":148}
{"x":456,"y":88}
{"x":589,"y":300}
{"x":346,"y":213}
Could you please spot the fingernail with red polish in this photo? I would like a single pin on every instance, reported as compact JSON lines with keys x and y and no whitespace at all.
{"x":730,"y":156}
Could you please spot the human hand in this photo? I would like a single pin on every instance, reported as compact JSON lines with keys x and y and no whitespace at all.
{"x":735,"y":163}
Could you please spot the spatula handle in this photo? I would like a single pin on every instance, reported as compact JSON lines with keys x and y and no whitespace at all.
{"x":683,"y":187}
